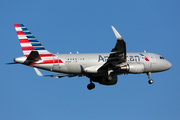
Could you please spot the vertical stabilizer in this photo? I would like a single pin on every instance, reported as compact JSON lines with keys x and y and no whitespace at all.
{"x":29,"y":43}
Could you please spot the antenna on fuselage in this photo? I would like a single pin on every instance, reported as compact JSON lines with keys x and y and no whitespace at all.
{"x":144,"y":51}
{"x":77,"y":52}
{"x":70,"y":52}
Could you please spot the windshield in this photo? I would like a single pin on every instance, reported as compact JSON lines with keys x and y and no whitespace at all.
{"x":161,"y":57}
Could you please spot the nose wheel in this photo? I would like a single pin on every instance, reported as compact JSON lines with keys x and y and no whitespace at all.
{"x":150,"y":81}
{"x":149,"y":77}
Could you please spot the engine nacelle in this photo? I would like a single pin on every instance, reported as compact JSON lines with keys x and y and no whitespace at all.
{"x":104,"y":80}
{"x":135,"y":68}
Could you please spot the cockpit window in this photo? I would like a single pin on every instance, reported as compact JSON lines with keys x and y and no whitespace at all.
{"x":161,"y":57}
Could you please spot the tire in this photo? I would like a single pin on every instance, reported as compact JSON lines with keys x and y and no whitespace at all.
{"x":90,"y":86}
{"x":150,"y":81}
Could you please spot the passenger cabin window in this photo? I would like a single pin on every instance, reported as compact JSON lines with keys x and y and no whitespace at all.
{"x":161,"y":57}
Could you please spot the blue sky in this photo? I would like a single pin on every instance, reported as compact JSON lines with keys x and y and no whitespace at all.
{"x":84,"y":26}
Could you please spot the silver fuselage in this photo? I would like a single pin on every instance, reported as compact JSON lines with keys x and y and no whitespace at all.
{"x":91,"y":62}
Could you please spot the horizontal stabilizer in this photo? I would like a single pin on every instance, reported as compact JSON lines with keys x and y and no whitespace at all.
{"x":34,"y":55}
{"x":56,"y":76}
{"x":12,"y":63}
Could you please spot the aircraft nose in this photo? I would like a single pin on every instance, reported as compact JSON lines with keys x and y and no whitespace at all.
{"x":168,"y":65}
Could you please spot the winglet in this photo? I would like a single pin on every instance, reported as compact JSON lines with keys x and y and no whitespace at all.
{"x":118,"y":36}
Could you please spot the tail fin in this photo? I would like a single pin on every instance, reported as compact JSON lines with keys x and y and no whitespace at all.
{"x":29,"y":42}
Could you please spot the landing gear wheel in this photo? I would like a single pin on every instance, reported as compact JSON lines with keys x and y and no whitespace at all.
{"x":91,"y":86}
{"x":149,"y":76}
{"x":109,"y":78}
{"x":150,"y":81}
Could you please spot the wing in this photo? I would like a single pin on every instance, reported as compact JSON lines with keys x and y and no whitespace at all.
{"x":118,"y":53}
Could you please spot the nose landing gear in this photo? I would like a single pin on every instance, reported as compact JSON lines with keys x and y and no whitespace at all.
{"x":150,"y":81}
{"x":149,"y":76}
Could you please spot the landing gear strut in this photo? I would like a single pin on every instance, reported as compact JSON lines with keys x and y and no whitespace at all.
{"x":149,"y":76}
{"x":91,"y":86}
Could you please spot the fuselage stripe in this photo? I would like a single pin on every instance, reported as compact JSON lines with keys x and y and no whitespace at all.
{"x":47,"y":62}
{"x":43,"y":55}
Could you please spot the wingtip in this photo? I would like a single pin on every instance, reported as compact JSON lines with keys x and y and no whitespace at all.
{"x":112,"y":27}
{"x":118,"y":36}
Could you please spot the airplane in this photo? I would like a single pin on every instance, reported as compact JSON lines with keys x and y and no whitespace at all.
{"x":98,"y":67}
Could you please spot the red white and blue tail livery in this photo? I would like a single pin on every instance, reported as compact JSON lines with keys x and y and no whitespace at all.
{"x":29,"y":42}
{"x":99,"y":67}
{"x":32,"y":48}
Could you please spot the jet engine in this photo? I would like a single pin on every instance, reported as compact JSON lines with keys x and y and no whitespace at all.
{"x":133,"y":67}
{"x":104,"y":80}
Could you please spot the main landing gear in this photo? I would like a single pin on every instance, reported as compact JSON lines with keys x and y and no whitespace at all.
{"x":91,"y":86}
{"x":149,"y":76}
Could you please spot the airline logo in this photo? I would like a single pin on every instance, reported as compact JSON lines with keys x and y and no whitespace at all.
{"x":144,"y":57}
